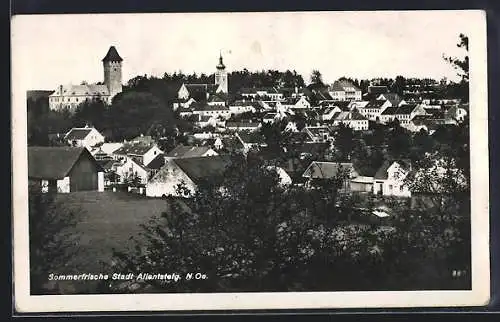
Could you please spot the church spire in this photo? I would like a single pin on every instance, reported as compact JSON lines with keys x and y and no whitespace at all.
{"x":221,"y":64}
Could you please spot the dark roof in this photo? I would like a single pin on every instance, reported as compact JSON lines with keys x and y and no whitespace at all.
{"x":340,"y":85}
{"x":377,"y":89}
{"x":343,"y":105}
{"x":398,"y":110}
{"x":393,"y":98}
{"x":327,"y":170}
{"x":375,"y":104}
{"x":203,"y":167}
{"x":112,"y":55}
{"x":77,"y":134}
{"x":255,"y":138}
{"x":186,"y":151}
{"x":138,"y":149}
{"x":157,"y":162}
{"x":54,"y":163}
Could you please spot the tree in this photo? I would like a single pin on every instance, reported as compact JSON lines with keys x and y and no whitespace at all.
{"x":316,"y":77}
{"x":344,"y":143}
{"x":462,"y":68}
{"x":53,"y":244}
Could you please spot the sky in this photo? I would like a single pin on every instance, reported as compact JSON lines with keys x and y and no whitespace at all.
{"x":49,"y":50}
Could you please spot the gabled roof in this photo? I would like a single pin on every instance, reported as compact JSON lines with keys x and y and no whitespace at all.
{"x":54,"y":163}
{"x":112,"y":55}
{"x":157,"y":162}
{"x":377,"y":89}
{"x":382,"y":174}
{"x":393,"y":98}
{"x":186,"y":151}
{"x":203,"y":167}
{"x":255,"y":138}
{"x":327,"y":170}
{"x":81,"y":90}
{"x":136,"y":149}
{"x":242,"y":124}
{"x":343,"y":85}
{"x":343,"y":105}
{"x":78,"y":133}
{"x":399,"y":110}
{"x":375,"y":104}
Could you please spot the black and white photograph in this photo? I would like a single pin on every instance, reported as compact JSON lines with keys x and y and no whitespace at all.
{"x":260,"y":160}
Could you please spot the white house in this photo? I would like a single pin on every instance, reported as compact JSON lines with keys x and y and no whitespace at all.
{"x":344,"y":90}
{"x":352,"y":119}
{"x":132,"y":167}
{"x":143,"y":154}
{"x":403,"y":113}
{"x":373,"y":109}
{"x":300,"y":102}
{"x":84,"y":137}
{"x":243,"y":126}
{"x":239,"y":107}
{"x":214,"y":110}
{"x":389,"y":179}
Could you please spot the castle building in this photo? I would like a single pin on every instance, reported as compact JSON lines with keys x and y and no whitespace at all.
{"x":70,"y":96}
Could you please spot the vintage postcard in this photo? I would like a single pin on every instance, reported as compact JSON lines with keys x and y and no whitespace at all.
{"x":245,"y":161}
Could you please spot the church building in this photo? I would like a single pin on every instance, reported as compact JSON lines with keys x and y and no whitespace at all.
{"x":202,"y":92}
{"x":70,"y":96}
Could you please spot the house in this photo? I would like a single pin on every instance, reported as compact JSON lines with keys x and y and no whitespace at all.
{"x":70,"y":96}
{"x":390,"y":179}
{"x":130,"y":168}
{"x":329,"y":112}
{"x":216,"y":100}
{"x":270,"y":117}
{"x":189,"y":171}
{"x":329,"y":170}
{"x":458,"y":112}
{"x":143,"y":154}
{"x":143,"y":139}
{"x":186,"y":151}
{"x":205,"y":120}
{"x":243,"y":126}
{"x":263,"y":92}
{"x":239,"y":107}
{"x":283,"y":177}
{"x":84,"y":137}
{"x":358,"y":105}
{"x":318,"y":133}
{"x":295,"y":103}
{"x":183,"y":103}
{"x":110,"y":147}
{"x":373,"y":109}
{"x":64,"y":169}
{"x":199,"y":92}
{"x":352,"y":119}
{"x":344,"y":90}
{"x":393,"y":98}
{"x":212,"y":110}
{"x":403,"y":113}
{"x":250,"y":140}
{"x":362,"y":184}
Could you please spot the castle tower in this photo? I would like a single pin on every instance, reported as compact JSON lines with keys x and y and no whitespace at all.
{"x":112,"y":64}
{"x":221,"y":76}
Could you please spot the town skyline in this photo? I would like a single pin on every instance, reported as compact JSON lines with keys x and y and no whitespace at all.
{"x":295,"y":41}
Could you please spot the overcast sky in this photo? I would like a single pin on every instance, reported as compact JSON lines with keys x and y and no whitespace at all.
{"x":62,"y":49}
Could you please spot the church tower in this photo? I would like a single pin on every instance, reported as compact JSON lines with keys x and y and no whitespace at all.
{"x":221,"y":76}
{"x":112,"y":64}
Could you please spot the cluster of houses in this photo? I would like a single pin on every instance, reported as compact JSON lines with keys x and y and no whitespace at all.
{"x":226,"y":121}
{"x":90,"y":163}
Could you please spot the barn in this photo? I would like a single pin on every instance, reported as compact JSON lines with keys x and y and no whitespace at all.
{"x":64,"y":169}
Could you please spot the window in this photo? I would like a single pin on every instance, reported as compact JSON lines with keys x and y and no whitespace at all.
{"x":390,"y":187}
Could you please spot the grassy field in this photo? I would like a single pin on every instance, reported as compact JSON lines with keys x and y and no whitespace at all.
{"x":108,"y":220}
